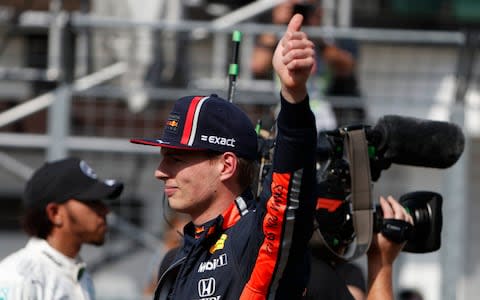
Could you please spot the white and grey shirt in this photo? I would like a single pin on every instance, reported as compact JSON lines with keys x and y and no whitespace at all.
{"x":39,"y":272}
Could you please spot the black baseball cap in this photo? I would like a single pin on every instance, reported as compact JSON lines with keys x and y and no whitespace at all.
{"x":207,"y":123}
{"x":69,"y":178}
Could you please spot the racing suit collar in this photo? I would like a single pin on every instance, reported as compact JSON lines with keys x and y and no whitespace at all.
{"x":199,"y":232}
{"x":72,"y":267}
{"x":210,"y":231}
{"x":234,"y":212}
{"x":227,"y":219}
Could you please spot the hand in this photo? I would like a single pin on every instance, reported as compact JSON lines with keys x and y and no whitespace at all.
{"x":293,"y":61}
{"x":383,"y":250}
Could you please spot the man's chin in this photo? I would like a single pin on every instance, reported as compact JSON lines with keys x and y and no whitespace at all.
{"x":174,"y":205}
{"x":97,"y":243}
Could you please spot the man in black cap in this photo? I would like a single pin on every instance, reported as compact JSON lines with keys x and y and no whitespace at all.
{"x":64,"y":209}
{"x":239,"y":247}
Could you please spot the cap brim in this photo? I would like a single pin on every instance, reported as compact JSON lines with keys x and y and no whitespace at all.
{"x":160,"y":143}
{"x":100,"y":191}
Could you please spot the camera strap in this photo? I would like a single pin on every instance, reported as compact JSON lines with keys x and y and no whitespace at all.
{"x":356,"y":153}
{"x":356,"y":149}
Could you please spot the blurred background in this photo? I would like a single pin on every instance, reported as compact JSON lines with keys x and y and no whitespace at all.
{"x":82,"y":77}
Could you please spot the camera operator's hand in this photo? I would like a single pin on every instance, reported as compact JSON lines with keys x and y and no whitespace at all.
{"x":293,"y":61}
{"x":383,"y":252}
{"x":386,"y":249}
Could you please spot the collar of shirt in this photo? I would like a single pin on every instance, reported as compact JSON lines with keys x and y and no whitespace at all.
{"x":209,"y":232}
{"x":72,"y":267}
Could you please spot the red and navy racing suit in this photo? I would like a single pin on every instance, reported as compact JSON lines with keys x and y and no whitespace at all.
{"x":257,"y":248}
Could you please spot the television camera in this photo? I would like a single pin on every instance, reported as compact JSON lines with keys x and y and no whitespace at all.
{"x":349,"y":159}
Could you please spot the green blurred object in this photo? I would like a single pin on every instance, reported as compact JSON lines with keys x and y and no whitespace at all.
{"x":417,"y":7}
{"x":467,"y":10}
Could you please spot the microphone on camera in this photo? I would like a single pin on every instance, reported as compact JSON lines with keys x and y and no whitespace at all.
{"x":417,"y":142}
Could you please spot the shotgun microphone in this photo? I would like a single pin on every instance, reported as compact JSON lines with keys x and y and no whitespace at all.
{"x":417,"y":142}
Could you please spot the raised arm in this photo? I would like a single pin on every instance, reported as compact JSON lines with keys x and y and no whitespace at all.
{"x":288,"y":198}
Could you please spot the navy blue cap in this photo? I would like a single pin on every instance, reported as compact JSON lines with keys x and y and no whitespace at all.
{"x":207,"y":123}
{"x":69,"y":178}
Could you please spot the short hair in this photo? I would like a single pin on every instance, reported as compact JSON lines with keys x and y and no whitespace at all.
{"x":247,"y":172}
{"x":36,"y":223}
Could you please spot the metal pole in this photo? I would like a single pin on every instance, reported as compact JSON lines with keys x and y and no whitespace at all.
{"x":248,"y":43}
{"x":15,"y":167}
{"x":84,"y":45}
{"x":344,"y":13}
{"x":454,"y":249}
{"x":454,"y":241}
{"x":45,"y":100}
{"x":328,"y":13}
{"x":244,"y":13}
{"x":59,"y":111}
{"x":219,"y":55}
{"x":58,"y":20}
{"x":59,"y":123}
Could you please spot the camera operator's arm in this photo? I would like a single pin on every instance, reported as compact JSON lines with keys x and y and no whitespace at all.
{"x":383,"y":252}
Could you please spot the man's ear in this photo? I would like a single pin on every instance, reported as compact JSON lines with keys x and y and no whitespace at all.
{"x":53,"y":211}
{"x":229,"y":165}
